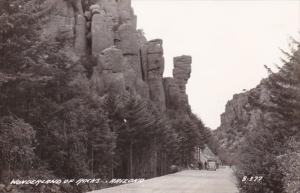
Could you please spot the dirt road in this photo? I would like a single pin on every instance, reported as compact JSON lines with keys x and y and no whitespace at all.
{"x":188,"y":181}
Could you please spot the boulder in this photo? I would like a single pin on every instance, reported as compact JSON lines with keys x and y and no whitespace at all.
{"x":184,"y":59}
{"x":88,"y":15}
{"x":96,"y":7}
{"x":155,"y":46}
{"x":111,"y":59}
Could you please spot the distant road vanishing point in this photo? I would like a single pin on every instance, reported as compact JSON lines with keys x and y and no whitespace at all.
{"x":187,"y":181}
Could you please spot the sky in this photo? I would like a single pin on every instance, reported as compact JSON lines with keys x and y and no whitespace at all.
{"x":229,"y":41}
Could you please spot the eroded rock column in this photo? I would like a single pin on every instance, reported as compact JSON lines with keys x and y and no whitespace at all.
{"x":129,"y":44}
{"x":102,"y":35}
{"x":172,"y":92}
{"x":155,"y":69}
{"x":181,"y":74}
{"x":80,"y":39}
{"x":182,"y":70}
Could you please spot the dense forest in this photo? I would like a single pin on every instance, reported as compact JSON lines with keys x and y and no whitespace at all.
{"x":260,"y":131}
{"x":55,"y":124}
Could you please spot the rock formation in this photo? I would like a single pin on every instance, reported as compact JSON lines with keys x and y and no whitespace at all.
{"x":241,"y":117}
{"x":181,"y":73}
{"x":126,"y":61}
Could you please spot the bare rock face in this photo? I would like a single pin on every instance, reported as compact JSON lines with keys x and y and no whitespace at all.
{"x":110,"y":67}
{"x":111,"y":59}
{"x":182,"y":70}
{"x":126,"y":12}
{"x":155,"y":60}
{"x":66,"y":24}
{"x":172,"y":93}
{"x":142,"y":89}
{"x":129,"y":44}
{"x":124,"y":7}
{"x":102,"y":35}
{"x":235,"y":110}
{"x":133,"y":62}
{"x":175,"y":99}
{"x":61,"y":21}
{"x":128,"y":37}
{"x":175,"y":87}
{"x":111,"y":9}
{"x":80,"y":38}
{"x":126,"y":61}
{"x":241,"y":117}
{"x":157,"y":94}
{"x":155,"y":69}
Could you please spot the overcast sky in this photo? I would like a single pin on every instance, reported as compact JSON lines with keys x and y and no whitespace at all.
{"x":229,"y":41}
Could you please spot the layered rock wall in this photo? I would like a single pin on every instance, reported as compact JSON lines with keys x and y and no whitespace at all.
{"x":126,"y":61}
{"x":242,"y":116}
{"x":176,"y":87}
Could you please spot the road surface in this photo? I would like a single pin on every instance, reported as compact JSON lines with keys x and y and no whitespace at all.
{"x":188,"y":181}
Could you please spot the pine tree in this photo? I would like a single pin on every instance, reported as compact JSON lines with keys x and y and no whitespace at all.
{"x":264,"y":147}
{"x":17,"y":144}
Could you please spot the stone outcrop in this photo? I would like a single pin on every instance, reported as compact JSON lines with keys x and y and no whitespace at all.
{"x":111,"y":60}
{"x":172,"y":93}
{"x":126,"y":61}
{"x":154,"y":61}
{"x":102,"y":35}
{"x":241,"y":117}
{"x":182,"y":71}
{"x":176,"y":87}
{"x":80,"y":39}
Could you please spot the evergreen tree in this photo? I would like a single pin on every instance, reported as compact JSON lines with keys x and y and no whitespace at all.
{"x":264,"y":146}
{"x":17,"y":144}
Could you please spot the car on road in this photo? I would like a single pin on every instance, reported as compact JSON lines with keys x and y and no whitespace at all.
{"x":211,"y":164}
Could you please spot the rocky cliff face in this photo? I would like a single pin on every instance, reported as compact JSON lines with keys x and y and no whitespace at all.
{"x":126,"y":61}
{"x":241,"y":116}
